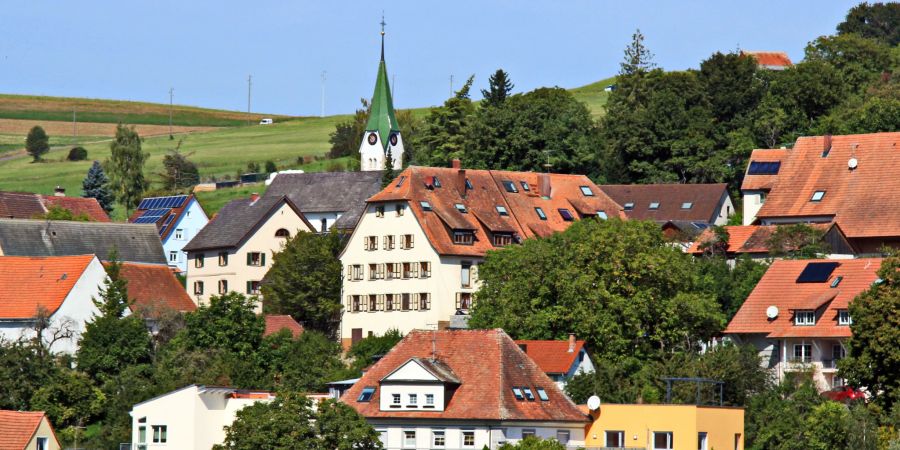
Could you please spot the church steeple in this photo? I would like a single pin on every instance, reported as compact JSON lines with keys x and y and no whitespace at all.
{"x":382,"y":127}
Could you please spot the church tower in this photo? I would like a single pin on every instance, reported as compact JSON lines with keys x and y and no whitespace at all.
{"x":382,"y":133}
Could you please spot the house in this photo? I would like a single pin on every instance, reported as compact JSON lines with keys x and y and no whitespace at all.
{"x":192,"y":417}
{"x":411,"y":262}
{"x":154,"y":288}
{"x":328,"y":199}
{"x":60,"y":288}
{"x":850,"y":180}
{"x":462,"y":389}
{"x":133,"y":243}
{"x":769,"y":60}
{"x":234,"y":251}
{"x":178,"y":218}
{"x":665,"y":426}
{"x":22,"y":205}
{"x":276,"y":323}
{"x":797,"y":315}
{"x":753,"y":240}
{"x":682,"y":210}
{"x":26,"y":430}
{"x":560,"y":360}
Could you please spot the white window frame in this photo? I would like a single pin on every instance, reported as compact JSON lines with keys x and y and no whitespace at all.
{"x":179,"y":234}
{"x":844,"y":317}
{"x":434,"y":438}
{"x":619,"y":433}
{"x":160,"y":434}
{"x":429,"y":400}
{"x":462,"y":438}
{"x":413,"y":400}
{"x":805,"y":353}
{"x":173,"y":256}
{"x":406,"y":442}
{"x":42,"y":443}
{"x":805,"y":317}
{"x":561,"y":433}
{"x":670,"y":439}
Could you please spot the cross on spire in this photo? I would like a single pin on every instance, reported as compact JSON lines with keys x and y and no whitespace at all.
{"x":382,"y":35}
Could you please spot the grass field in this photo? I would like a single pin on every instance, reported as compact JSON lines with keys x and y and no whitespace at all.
{"x":594,"y":96}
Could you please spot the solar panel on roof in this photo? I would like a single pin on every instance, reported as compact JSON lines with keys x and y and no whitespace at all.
{"x":175,"y":201}
{"x":817,"y":272}
{"x":166,"y":224}
{"x":764,"y":167}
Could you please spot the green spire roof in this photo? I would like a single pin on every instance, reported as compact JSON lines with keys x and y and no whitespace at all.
{"x":381,"y":114}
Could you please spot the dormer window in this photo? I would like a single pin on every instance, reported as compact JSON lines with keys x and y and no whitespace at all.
{"x":366,"y":394}
{"x":425,"y":206}
{"x":464,"y":237}
{"x":654,"y":205}
{"x":510,"y":186}
{"x":461,"y":208}
{"x":413,"y":400}
{"x":805,"y":317}
{"x":429,"y":400}
{"x":687,"y":205}
{"x":586,"y":190}
{"x":525,"y":186}
{"x":844,"y":317}
{"x":518,"y":393}
{"x":542,"y":394}
{"x":628,"y":206}
{"x":395,"y":400}
{"x":379,"y":211}
{"x":528,"y":394}
{"x":817,"y":196}
{"x":503,"y":239}
{"x":435,"y":182}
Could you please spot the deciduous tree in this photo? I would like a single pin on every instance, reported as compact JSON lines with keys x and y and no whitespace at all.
{"x":126,"y":167}
{"x":37,"y":143}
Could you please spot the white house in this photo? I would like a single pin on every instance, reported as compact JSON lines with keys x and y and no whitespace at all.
{"x":60,"y":288}
{"x":178,"y":218}
{"x":560,"y":360}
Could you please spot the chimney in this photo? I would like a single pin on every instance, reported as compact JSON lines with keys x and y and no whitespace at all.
{"x":59,"y":191}
{"x":827,"y":145}
{"x":544,"y":184}
{"x":460,"y":179}
{"x":455,"y":164}
{"x":571,"y":342}
{"x":254,"y":197}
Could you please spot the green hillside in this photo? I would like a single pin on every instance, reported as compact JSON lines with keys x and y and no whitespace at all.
{"x":594,"y":96}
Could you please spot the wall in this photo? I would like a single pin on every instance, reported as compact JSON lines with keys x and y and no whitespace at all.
{"x":44,"y":430}
{"x":726,"y":209}
{"x":752,"y":202}
{"x":684,"y":421}
{"x":487,"y":433}
{"x":315,"y":218}
{"x":191,"y":221}
{"x":372,"y":156}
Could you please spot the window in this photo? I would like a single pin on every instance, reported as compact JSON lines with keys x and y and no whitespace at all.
{"x":355,"y":272}
{"x":282,"y":233}
{"x":373,"y":302}
{"x":379,"y":211}
{"x":586,"y":190}
{"x":465,"y":274}
{"x":566,"y":214}
{"x":404,"y":302}
{"x":527,"y":432}
{"x":502,"y":239}
{"x":373,"y":271}
{"x":463,"y":237}
{"x":406,"y":241}
{"x":223,"y":286}
{"x":413,"y":400}
{"x":542,"y":394}
{"x":628,"y":206}
{"x":614,"y":438}
{"x":179,"y":234}
{"x":198,"y":288}
{"x":469,"y":185}
{"x":464,"y":300}
{"x":401,"y":180}
{"x":253,"y":287}
{"x":371,"y":243}
{"x":528,"y":394}
{"x":662,"y":440}
{"x":653,"y":205}
{"x":257,"y":259}
{"x":424,"y":302}
{"x":461,"y":208}
{"x":838,"y":352}
{"x":323,"y":225}
{"x":802,"y":353}
{"x":366,"y":394}
{"x":435,"y":182}
{"x":160,"y":434}
{"x":837,"y":280}
{"x":602,"y":215}
{"x":425,"y":206}
{"x":198,"y":260}
{"x":687,"y":205}
{"x":737,"y":441}
{"x":425,"y":269}
{"x":173,"y":256}
{"x":518,"y":393}
{"x":409,"y":438}
{"x":817,"y":196}
{"x":41,"y":443}
{"x":393,"y":271}
{"x":429,"y":400}
{"x":438,"y":439}
{"x":525,"y":186}
{"x":563,"y":436}
{"x":702,"y":443}
{"x":540,"y":213}
{"x":401,"y":209}
{"x":395,"y":400}
{"x":844,"y":317}
{"x":468,"y":438}
{"x":223,"y":259}
{"x":389,"y":242}
{"x":805,"y":317}
{"x":509,"y":186}
{"x":388,"y":302}
{"x":502,"y":211}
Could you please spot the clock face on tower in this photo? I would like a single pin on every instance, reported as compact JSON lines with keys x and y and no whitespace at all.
{"x":372,"y":139}
{"x":393,"y":138}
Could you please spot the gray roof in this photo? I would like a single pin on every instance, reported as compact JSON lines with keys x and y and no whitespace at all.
{"x":344,"y":192}
{"x":134,"y":243}
{"x":235,"y":221}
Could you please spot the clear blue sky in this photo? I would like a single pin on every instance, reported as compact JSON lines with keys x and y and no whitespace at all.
{"x":206,"y":49}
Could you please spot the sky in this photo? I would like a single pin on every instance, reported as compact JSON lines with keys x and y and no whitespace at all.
{"x":205,"y":50}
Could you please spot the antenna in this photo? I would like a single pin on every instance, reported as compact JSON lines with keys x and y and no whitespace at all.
{"x":451,"y":85}
{"x":171,"y":95}
{"x":547,"y":165}
{"x":323,"y":93}
{"x":433,"y":340}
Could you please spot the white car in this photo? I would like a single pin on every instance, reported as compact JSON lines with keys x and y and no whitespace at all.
{"x":265,"y":121}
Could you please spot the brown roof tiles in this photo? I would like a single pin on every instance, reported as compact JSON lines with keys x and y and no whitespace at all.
{"x":705,"y":201}
{"x":552,"y":356}
{"x":276,"y":323}
{"x":24,"y":205}
{"x":154,"y":286}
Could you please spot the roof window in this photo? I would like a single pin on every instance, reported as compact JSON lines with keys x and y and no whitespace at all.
{"x":525,"y":186}
{"x":817,"y":272}
{"x":366,"y":394}
{"x":687,"y":205}
{"x":836,"y":281}
{"x":542,"y":394}
{"x":817,"y":196}
{"x":461,"y":208}
{"x":463,"y":237}
{"x":654,"y":205}
{"x":540,"y":213}
{"x":602,"y":215}
{"x":469,"y":184}
{"x":509,"y":186}
{"x":764,"y":168}
{"x":518,"y":393}
{"x":435,"y":182}
{"x":528,"y":394}
{"x":586,"y":190}
{"x":628,"y":206}
{"x":401,"y":180}
{"x":502,"y":210}
{"x":425,"y":206}
{"x":566,"y":214}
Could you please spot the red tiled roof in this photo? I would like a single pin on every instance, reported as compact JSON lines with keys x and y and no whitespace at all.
{"x":862,"y":201}
{"x":275,"y":323}
{"x":770,"y":59}
{"x":552,"y":356}
{"x":88,"y":206}
{"x":705,"y":200}
{"x":18,"y":427}
{"x":488,"y":364}
{"x":762,"y":182}
{"x":154,"y":286}
{"x":745,"y":238}
{"x":27,"y":283}
{"x":779,"y":288}
{"x":486,"y":194}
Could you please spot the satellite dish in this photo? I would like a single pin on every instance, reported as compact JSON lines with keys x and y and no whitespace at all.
{"x":772,"y":312}
{"x":593,"y":403}
{"x":852,"y":163}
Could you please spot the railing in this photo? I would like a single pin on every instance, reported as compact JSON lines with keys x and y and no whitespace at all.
{"x":830,"y":363}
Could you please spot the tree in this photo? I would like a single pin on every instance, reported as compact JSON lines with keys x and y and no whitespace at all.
{"x":534,"y":443}
{"x":860,"y":61}
{"x":304,"y":364}
{"x":229,"y":322}
{"x":69,"y":399}
{"x":733,"y":88}
{"x":443,"y":135}
{"x":271,"y":167}
{"x":24,"y":368}
{"x":55,"y":212}
{"x":126,"y":167}
{"x":798,"y":241}
{"x":873,"y":361}
{"x":347,"y":136}
{"x":178,"y":171}
{"x":731,"y":284}
{"x":96,"y":185}
{"x":389,"y":173}
{"x":638,"y":58}
{"x":879,"y":21}
{"x":340,"y":427}
{"x":37,"y":143}
{"x":305,"y":281}
{"x":77,"y":154}
{"x":776,"y":418}
{"x":641,"y":298}
{"x":499,"y":88}
{"x":364,"y":351}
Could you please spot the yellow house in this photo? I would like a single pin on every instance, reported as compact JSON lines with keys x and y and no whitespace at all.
{"x":665,"y":427}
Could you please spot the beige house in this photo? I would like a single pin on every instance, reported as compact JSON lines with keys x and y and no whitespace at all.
{"x":412,"y":260}
{"x":234,"y":251}
{"x":26,"y":430}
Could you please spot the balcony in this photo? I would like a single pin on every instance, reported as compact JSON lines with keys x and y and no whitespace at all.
{"x":830,"y":364}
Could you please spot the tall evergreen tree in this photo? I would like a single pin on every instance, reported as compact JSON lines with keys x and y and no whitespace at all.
{"x":444,"y":134}
{"x":126,"y":167}
{"x":389,"y":173}
{"x":37,"y":142}
{"x":96,"y":185}
{"x":499,"y":87}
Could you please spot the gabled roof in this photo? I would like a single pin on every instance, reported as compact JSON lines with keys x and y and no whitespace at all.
{"x":769,"y":59}
{"x":344,"y":192}
{"x":28,"y":283}
{"x":164,"y":212}
{"x":746,"y":239}
{"x":134,"y":243}
{"x":17,"y":428}
{"x":238,"y":220}
{"x":862,"y":200}
{"x":154,"y":287}
{"x":24,"y":205}
{"x":488,"y":365}
{"x":704,"y":200}
{"x":552,"y":356}
{"x":276,"y":323}
{"x":779,"y":287}
{"x":416,"y":184}
{"x":440,"y":371}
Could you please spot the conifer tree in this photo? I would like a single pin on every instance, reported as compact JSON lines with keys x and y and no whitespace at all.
{"x":96,"y":185}
{"x":389,"y":174}
{"x":499,"y":87}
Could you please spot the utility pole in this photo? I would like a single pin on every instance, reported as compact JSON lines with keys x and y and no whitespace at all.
{"x":249,"y":90}
{"x":171,"y":95}
{"x":451,"y":85}
{"x":323,"y":94}
{"x":74,"y":125}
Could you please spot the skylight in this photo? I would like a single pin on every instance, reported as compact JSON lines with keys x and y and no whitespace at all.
{"x":366,"y":394}
{"x":687,"y":205}
{"x":461,"y":208}
{"x":502,"y":211}
{"x":510,"y":186}
{"x":401,"y":180}
{"x":764,"y":167}
{"x":817,"y":272}
{"x":836,"y":281}
{"x":654,"y":205}
{"x":566,"y":214}
{"x":628,"y":206}
{"x":542,"y":394}
{"x":469,"y":184}
{"x":540,"y":213}
{"x":435,"y":182}
{"x":817,"y":196}
{"x":528,"y":394}
{"x":425,"y":206}
{"x":586,"y":190}
{"x":518,"y":393}
{"x":602,"y":215}
{"x":525,"y":186}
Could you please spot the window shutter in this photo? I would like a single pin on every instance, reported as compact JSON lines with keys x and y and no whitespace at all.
{"x":262,"y":259}
{"x":249,"y":287}
{"x":349,"y":303}
{"x":411,"y":239}
{"x":414,"y":268}
{"x":366,"y":243}
{"x":363,"y":304}
{"x":414,"y":302}
{"x":385,"y":242}
{"x":349,"y":272}
{"x":249,"y":259}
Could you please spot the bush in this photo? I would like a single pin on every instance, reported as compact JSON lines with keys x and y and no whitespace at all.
{"x":271,"y":167}
{"x":77,"y":154}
